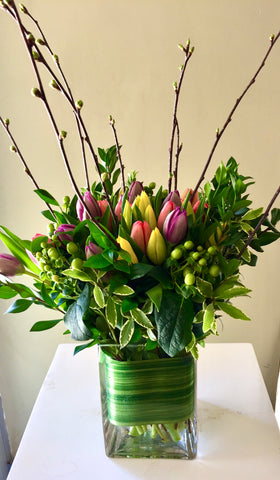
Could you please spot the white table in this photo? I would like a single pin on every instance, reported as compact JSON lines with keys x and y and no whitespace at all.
{"x":238,"y":434}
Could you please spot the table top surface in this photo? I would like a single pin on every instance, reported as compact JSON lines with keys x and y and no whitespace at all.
{"x":238,"y":436}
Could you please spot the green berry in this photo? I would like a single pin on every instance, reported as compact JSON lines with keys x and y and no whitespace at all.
{"x":202,"y":262}
{"x":55,"y":278}
{"x":188,"y":245}
{"x":189,"y":279}
{"x":199,"y":248}
{"x":77,"y":264}
{"x":212,"y":250}
{"x":72,"y":248}
{"x":195,"y":255}
{"x":186,"y":271}
{"x":177,"y":253}
{"x":214,"y":271}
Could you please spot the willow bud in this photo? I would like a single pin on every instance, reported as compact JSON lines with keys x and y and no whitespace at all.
{"x":36,"y":92}
{"x":79,"y":104}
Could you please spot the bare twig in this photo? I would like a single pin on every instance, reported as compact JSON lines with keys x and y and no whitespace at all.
{"x":41,"y":94}
{"x":177,"y":87}
{"x":177,"y":154}
{"x":262,"y":219}
{"x":219,"y":133}
{"x":112,"y":123}
{"x":19,"y":154}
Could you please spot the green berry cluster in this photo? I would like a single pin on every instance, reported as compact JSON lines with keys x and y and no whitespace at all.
{"x":195,"y":261}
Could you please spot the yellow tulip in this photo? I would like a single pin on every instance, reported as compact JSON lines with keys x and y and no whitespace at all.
{"x":156,"y":249}
{"x":125,"y":245}
{"x":127,"y":214}
{"x":150,"y":217}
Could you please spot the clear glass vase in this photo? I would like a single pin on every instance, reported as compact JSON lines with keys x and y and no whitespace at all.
{"x":149,"y":407}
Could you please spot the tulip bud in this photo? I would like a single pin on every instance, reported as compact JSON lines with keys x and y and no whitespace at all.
{"x":175,"y":226}
{"x":10,"y":265}
{"x":62,"y":230}
{"x":127,"y":214}
{"x":92,"y":249}
{"x":91,"y":204}
{"x":125,"y":245}
{"x":118,"y":208}
{"x":156,"y":249}
{"x":174,"y":197}
{"x":135,"y":189}
{"x":103,"y":205}
{"x":195,"y":198}
{"x":140,"y":233}
{"x":150,"y":217}
{"x":166,"y":209}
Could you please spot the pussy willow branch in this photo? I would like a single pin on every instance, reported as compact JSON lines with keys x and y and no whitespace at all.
{"x":177,"y":154}
{"x":68,"y":89}
{"x":219,"y":134}
{"x":53,"y":123}
{"x":26,"y":168}
{"x":262,"y":219}
{"x":76,"y":111}
{"x":177,"y":88}
{"x":112,"y":123}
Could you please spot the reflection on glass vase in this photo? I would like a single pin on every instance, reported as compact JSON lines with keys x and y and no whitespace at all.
{"x":149,"y":407}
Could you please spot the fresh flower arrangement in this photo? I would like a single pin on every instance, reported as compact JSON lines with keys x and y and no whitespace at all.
{"x":127,"y":264}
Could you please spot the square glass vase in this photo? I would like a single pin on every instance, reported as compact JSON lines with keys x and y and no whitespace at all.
{"x":149,"y":407}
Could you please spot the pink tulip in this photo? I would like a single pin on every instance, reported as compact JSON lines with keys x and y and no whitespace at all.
{"x":196,"y":205}
{"x":10,"y":265}
{"x":174,"y":197}
{"x":91,"y":204}
{"x":62,"y":230}
{"x":195,"y":198}
{"x":175,"y":226}
{"x":135,"y":189}
{"x":140,"y":233}
{"x":103,"y":205}
{"x":166,"y":209}
{"x":118,"y":208}
{"x":92,"y":249}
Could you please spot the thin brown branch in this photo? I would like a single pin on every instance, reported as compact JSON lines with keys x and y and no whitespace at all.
{"x":177,"y":89}
{"x":26,"y":168}
{"x":41,"y":94}
{"x":219,"y":133}
{"x":262,"y":219}
{"x":177,"y":154}
{"x":112,"y":123}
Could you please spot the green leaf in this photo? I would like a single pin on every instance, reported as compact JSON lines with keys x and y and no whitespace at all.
{"x":233,"y":292}
{"x":234,"y":312}
{"x":205,"y":288}
{"x":79,"y":348}
{"x":126,"y":332}
{"x":74,"y":316}
{"x":19,"y":306}
{"x":141,"y":318}
{"x":98,"y":296}
{"x":7,"y":292}
{"x":139,"y":270}
{"x":78,"y":274}
{"x":19,"y":252}
{"x":252,"y":214}
{"x":111,"y":312}
{"x":123,"y":290}
{"x":275,"y":215}
{"x":46,"y":196}
{"x":208,"y":318}
{"x":128,"y":303}
{"x":155,"y":295}
{"x":174,"y":322}
{"x":97,"y":261}
{"x":44,"y":325}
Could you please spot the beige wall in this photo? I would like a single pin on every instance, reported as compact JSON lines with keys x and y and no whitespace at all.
{"x":122,"y":58}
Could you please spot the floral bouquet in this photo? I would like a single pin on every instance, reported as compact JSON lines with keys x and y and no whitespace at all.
{"x":143,"y":271}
